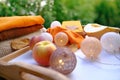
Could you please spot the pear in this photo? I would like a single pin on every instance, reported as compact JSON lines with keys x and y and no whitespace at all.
{"x":97,"y":30}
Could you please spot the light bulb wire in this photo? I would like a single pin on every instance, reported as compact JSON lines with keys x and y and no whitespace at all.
{"x":104,"y":63}
{"x":117,"y":56}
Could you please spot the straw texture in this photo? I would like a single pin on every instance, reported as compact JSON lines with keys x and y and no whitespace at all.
{"x":5,"y":45}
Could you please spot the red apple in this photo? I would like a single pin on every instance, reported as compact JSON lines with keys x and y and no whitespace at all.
{"x":33,"y":41}
{"x":42,"y":37}
{"x":42,"y":52}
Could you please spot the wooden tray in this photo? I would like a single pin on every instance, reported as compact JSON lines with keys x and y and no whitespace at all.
{"x":24,"y":71}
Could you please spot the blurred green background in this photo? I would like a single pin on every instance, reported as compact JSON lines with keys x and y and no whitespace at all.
{"x":104,"y":12}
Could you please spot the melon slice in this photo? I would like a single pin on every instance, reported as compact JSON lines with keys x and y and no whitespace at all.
{"x":97,"y":30}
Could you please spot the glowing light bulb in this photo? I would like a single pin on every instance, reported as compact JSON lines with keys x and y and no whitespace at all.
{"x":111,"y":42}
{"x":55,"y":24}
{"x":91,"y":47}
{"x":61,"y":39}
{"x":63,"y":60}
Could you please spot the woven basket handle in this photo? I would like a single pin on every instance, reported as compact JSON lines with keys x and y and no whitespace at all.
{"x":34,"y":72}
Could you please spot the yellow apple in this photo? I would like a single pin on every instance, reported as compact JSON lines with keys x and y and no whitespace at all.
{"x":42,"y":52}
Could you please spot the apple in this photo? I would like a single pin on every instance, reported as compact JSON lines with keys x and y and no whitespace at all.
{"x":33,"y":41}
{"x":42,"y":51}
{"x":42,"y":37}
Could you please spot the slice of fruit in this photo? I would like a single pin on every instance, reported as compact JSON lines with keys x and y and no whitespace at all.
{"x":17,"y":44}
{"x":97,"y":30}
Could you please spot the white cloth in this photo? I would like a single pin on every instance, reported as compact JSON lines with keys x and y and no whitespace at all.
{"x":106,"y":68}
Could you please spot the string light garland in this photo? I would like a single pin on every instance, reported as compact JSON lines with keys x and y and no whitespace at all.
{"x":117,"y":56}
{"x":104,"y":63}
{"x":55,"y":24}
{"x":61,"y":39}
{"x":63,"y":60}
{"x":91,"y":48}
{"x":111,"y":42}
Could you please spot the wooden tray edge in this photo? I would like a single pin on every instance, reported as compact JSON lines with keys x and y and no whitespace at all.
{"x":14,"y":54}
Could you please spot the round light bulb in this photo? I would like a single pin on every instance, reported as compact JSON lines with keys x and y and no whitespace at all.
{"x":61,"y":39}
{"x":55,"y":24}
{"x":47,"y":36}
{"x":111,"y":42}
{"x":63,"y":60}
{"x":91,"y":48}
